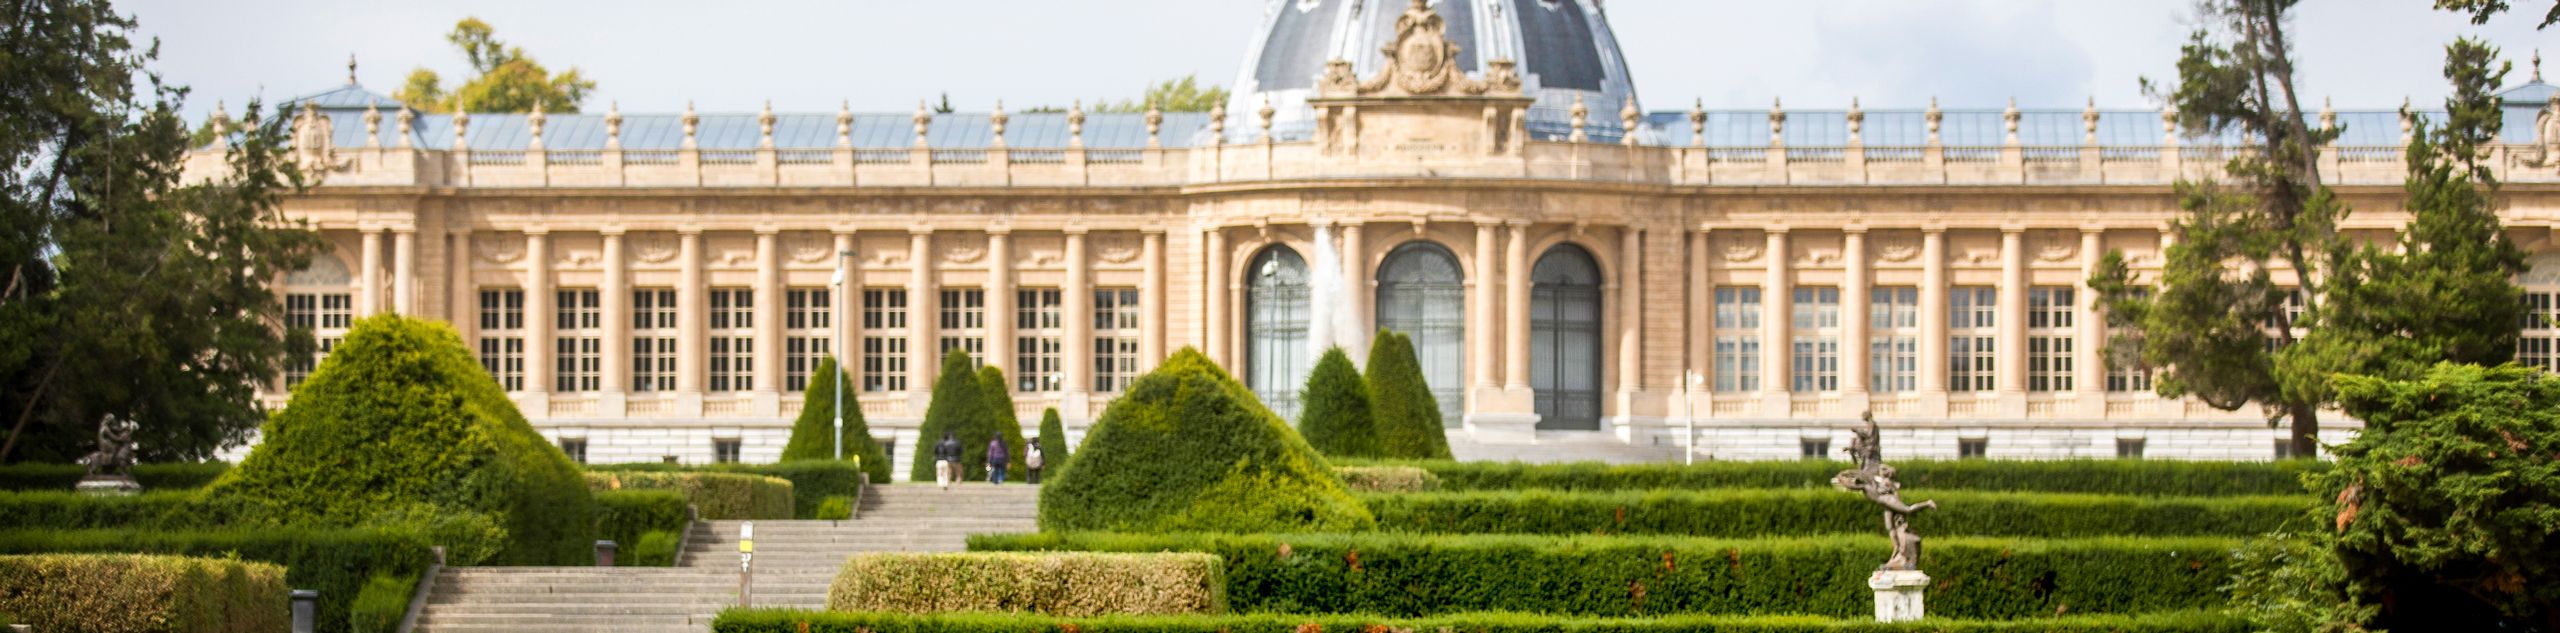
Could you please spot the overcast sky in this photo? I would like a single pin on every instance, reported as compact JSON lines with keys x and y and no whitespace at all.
{"x":883,"y":55}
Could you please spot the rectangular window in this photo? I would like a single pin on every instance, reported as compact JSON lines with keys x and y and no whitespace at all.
{"x":1971,"y":363}
{"x":1973,"y":307}
{"x":733,"y":360}
{"x":964,"y":322}
{"x":2050,"y":308}
{"x":884,"y":309}
{"x":578,"y":310}
{"x":1973,"y":320}
{"x":298,"y":370}
{"x":1737,"y":363}
{"x":653,"y":309}
{"x":1815,"y":449}
{"x":808,"y":337}
{"x":501,"y":309}
{"x":502,"y":337}
{"x":1817,"y":363}
{"x":1037,"y":362}
{"x":580,"y":364}
{"x":2534,"y":348}
{"x":2129,"y":380}
{"x":1817,"y":308}
{"x":327,"y":316}
{"x":2128,"y":448}
{"x":1893,"y":308}
{"x":577,"y":450}
{"x":653,"y":363}
{"x":801,"y":363}
{"x":1037,"y":309}
{"x":884,"y":363}
{"x":726,"y":451}
{"x":1974,"y":448}
{"x":1737,"y":308}
{"x":1893,"y":364}
{"x":2284,"y":449}
{"x":733,"y":309}
{"x":1115,"y":338}
{"x":808,"y":309}
{"x":2049,"y":363}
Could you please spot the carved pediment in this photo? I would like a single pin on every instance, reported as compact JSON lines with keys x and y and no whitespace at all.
{"x":1421,"y":63}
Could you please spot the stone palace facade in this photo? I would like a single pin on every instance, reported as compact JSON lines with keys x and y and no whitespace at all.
{"x":1478,"y":174}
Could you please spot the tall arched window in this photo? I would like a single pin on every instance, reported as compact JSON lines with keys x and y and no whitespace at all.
{"x":1564,"y":339}
{"x":1275,"y":356}
{"x":1422,"y":294}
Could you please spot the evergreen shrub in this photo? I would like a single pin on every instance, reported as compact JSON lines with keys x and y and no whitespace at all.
{"x":2141,"y":477}
{"x":153,"y":477}
{"x":817,"y":414}
{"x":748,"y":620}
{"x":1333,"y":410}
{"x":49,"y":510}
{"x":1742,"y":513}
{"x":1189,"y":448}
{"x":1407,"y":575}
{"x":1002,"y":422}
{"x":338,"y":563}
{"x":835,"y":509}
{"x":1387,"y":479}
{"x":1065,"y":584}
{"x":1409,"y":423}
{"x":1053,"y":443}
{"x":401,"y":420}
{"x":812,"y":482}
{"x":383,"y":602}
{"x":657,"y":548}
{"x":627,"y":517}
{"x":719,"y":496}
{"x":127,"y":593}
{"x":959,"y":408}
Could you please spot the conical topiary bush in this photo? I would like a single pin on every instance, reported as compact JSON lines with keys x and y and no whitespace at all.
{"x":817,"y":415}
{"x":401,"y":426}
{"x":1000,"y":421}
{"x":958,"y":407}
{"x":1053,"y":444}
{"x":1408,"y":415}
{"x":1333,"y":410}
{"x":1187,"y":448}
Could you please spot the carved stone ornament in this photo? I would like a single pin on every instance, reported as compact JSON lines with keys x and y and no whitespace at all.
{"x":1739,"y":248}
{"x":809,"y":247}
{"x":2054,"y":245}
{"x":503,"y":248}
{"x":577,"y":259}
{"x":313,"y":136}
{"x":1117,"y":248}
{"x":964,"y":248}
{"x":1897,"y":247}
{"x":1422,"y":62}
{"x":655,"y":248}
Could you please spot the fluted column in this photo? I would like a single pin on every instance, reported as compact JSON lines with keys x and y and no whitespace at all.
{"x":1699,"y":324}
{"x":1515,"y":321}
{"x":2089,"y":331}
{"x":369,"y":296}
{"x":1630,"y":319}
{"x":1213,"y":292}
{"x":694,"y":344}
{"x":2013,"y":322}
{"x":848,"y":311}
{"x":924,"y":357}
{"x":540,"y":349}
{"x":1363,"y":292}
{"x":1854,"y":319}
{"x":1078,"y":348}
{"x":1933,"y":322}
{"x":768,"y":323}
{"x":464,"y":309}
{"x":1000,"y":285}
{"x":1482,"y":326}
{"x":404,"y":270}
{"x":1777,"y":327}
{"x":1151,"y":323}
{"x":616,"y":292}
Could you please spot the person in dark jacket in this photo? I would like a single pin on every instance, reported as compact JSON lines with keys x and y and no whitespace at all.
{"x":998,"y":457}
{"x":946,"y":460}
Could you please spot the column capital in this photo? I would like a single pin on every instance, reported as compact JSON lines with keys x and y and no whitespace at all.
{"x":1778,"y":229}
{"x":843,"y":231}
{"x":1350,"y":224}
{"x":1933,"y":227}
{"x":999,"y":229}
{"x":768,"y":229}
{"x":919,"y":230}
{"x":2012,"y":228}
{"x":611,"y":230}
{"x":458,"y":230}
{"x":369,"y":227}
{"x":531,"y":231}
{"x":689,"y":229}
{"x":2092,"y":228}
{"x":1075,"y":229}
{"x":1854,"y":229}
{"x":1519,"y":225}
{"x":405,"y":229}
{"x":1487,"y":223}
{"x":1152,"y":230}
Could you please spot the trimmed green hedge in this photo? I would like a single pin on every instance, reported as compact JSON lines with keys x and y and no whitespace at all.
{"x":1741,"y":513}
{"x":812,"y":482}
{"x":381,"y":605}
{"x":153,"y":477}
{"x":183,"y":509}
{"x":338,"y":563}
{"x":2144,"y":477}
{"x":626,"y":517}
{"x":108,"y":593}
{"x":1066,"y":584}
{"x":720,"y":496}
{"x":744,"y":620}
{"x":1408,"y":575}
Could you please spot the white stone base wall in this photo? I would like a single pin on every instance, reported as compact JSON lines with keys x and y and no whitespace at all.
{"x":2217,"y":440}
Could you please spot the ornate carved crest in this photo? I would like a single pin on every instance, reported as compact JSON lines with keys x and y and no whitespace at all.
{"x":1115,"y":247}
{"x":653,"y":247}
{"x":964,"y":248}
{"x":503,"y":248}
{"x":809,"y":247}
{"x":2053,"y":245}
{"x":1896,"y":247}
{"x":1422,"y":62}
{"x":1739,"y":248}
{"x":312,"y":134}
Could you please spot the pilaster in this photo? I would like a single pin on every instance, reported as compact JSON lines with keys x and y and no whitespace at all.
{"x":767,"y":394}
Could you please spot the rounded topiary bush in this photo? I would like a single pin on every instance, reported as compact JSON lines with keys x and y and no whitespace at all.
{"x":1333,"y":411}
{"x":1408,"y":415}
{"x":1187,"y":448}
{"x":817,"y":414}
{"x":400,"y":426}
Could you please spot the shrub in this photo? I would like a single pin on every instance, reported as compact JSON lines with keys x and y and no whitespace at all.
{"x":1333,"y":410}
{"x":401,"y":415}
{"x":153,"y":477}
{"x":1409,"y":424}
{"x":2141,"y":477}
{"x":1737,"y":513}
{"x":812,"y":482}
{"x":746,"y":620}
{"x":110,"y":593}
{"x":77,"y":511}
{"x":720,"y":496}
{"x":959,"y":409}
{"x":1067,"y":584}
{"x":657,"y":548}
{"x":382,"y":603}
{"x":338,"y":563}
{"x":1188,"y":448}
{"x":1053,"y":443}
{"x":835,"y":509}
{"x":1387,"y":479}
{"x":1001,"y":422}
{"x":817,"y":415}
{"x":628,"y":517}
{"x":1410,"y":575}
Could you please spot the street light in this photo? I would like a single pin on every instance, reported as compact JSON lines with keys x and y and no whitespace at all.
{"x":1689,"y":397}
{"x":838,"y":388}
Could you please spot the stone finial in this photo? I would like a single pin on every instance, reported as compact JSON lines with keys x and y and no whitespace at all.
{"x":764,"y":125}
{"x":1155,"y":124}
{"x":613,"y":126}
{"x":1934,"y":117}
{"x":1857,"y":122}
{"x":2169,"y":124}
{"x":533,"y":123}
{"x":2537,"y":64}
{"x":924,"y":122}
{"x":461,"y":129}
{"x":372,"y":124}
{"x":1075,"y":125}
{"x":692,"y":123}
{"x":1218,"y":123}
{"x":1777,"y":122}
{"x":2009,"y":118}
{"x":995,"y":124}
{"x":2328,"y":116}
{"x":844,"y":124}
{"x":1628,"y":117}
{"x":1698,"y":124}
{"x":1266,"y":114}
{"x":2089,"y":121}
{"x":351,"y":66}
{"x":221,"y":122}
{"x":408,"y":121}
{"x":1581,"y":115}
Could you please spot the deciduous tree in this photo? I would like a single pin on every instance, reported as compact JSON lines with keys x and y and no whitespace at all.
{"x":504,"y":79}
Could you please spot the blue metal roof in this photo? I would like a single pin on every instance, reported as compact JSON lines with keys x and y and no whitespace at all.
{"x":790,"y":131}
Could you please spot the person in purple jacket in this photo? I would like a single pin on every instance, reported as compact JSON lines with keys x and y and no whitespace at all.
{"x":998,"y":456}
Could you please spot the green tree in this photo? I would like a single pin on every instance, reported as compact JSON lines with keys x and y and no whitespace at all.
{"x":1171,"y":95}
{"x":504,"y":79}
{"x":1187,"y":448}
{"x":2236,"y":77}
{"x":125,"y":290}
{"x":1000,"y":421}
{"x":2482,"y":10}
{"x":1333,"y":412}
{"x":957,"y":408}
{"x":1053,"y":442}
{"x":817,"y":415}
{"x":1408,"y":415}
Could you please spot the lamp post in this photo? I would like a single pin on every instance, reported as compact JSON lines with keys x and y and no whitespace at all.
{"x":838,"y":387}
{"x":1689,"y":398}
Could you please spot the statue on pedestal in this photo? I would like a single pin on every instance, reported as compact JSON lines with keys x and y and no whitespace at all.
{"x":1898,"y":582}
{"x":111,"y":466}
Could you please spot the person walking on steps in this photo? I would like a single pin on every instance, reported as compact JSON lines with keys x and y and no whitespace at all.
{"x":1031,"y":461}
{"x":998,"y":457}
{"x":946,"y":460}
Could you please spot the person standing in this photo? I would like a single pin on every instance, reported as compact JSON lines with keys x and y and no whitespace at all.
{"x":1031,"y":461}
{"x":946,"y":460}
{"x":998,"y":457}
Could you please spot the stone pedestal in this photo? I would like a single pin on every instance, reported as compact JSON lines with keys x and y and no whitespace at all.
{"x":109,"y":486}
{"x":1898,"y":594}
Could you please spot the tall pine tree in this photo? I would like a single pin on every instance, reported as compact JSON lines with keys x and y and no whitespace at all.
{"x":959,"y":408}
{"x":817,"y":414}
{"x":1333,"y":411}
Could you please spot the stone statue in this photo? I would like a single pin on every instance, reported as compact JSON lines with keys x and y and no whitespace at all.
{"x":1874,"y":479}
{"x":111,"y":466}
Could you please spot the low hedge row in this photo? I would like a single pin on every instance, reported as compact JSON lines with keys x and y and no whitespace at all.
{"x":627,"y":517}
{"x":1410,"y":575}
{"x":151,"y":476}
{"x":742,"y":620}
{"x":812,"y":481}
{"x":107,"y":593}
{"x":720,"y":496}
{"x":1063,"y":584}
{"x":338,"y":563}
{"x":65,"y":510}
{"x":2090,"y":476}
{"x":1740,"y":513}
{"x":1387,"y":479}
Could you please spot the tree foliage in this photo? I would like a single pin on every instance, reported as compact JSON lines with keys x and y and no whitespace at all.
{"x":125,"y":290}
{"x":957,"y":408}
{"x":1171,"y":95}
{"x":2482,"y":10}
{"x":1408,"y":415}
{"x":1000,"y":421}
{"x":817,"y":415}
{"x":504,"y":79}
{"x":1333,"y":411}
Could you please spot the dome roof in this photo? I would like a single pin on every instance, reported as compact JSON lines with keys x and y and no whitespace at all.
{"x":1564,"y":49}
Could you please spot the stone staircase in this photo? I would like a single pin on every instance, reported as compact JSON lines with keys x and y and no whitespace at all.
{"x":794,"y":563}
{"x":1556,"y":447}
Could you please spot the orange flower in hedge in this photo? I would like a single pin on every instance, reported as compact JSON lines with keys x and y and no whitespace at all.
{"x":1069,"y":627}
{"x":1353,"y":558}
{"x":1311,"y":627}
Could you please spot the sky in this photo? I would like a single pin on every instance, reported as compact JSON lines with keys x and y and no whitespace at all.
{"x":885,"y":55}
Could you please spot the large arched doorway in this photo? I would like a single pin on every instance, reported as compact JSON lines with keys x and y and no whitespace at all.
{"x":1275,"y":324}
{"x":1564,"y":339}
{"x":1422,"y":294}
